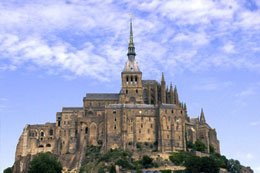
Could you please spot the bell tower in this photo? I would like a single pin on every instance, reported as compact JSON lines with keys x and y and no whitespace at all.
{"x":132,"y":90}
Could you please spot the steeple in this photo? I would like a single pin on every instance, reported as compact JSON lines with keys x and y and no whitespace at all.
{"x":171,"y":95}
{"x":163,"y":77}
{"x":163,"y":92}
{"x":202,"y":117}
{"x":131,"y":47}
{"x":175,"y":96}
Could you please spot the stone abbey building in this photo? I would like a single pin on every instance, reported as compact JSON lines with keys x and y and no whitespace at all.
{"x":143,"y":114}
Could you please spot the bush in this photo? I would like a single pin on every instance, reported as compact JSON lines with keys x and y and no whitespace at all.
{"x":180,"y":158}
{"x":45,"y":162}
{"x":200,"y":146}
{"x":8,"y":170}
{"x":147,"y":162}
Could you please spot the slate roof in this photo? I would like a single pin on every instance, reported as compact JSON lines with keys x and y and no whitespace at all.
{"x":131,"y":66}
{"x":146,"y":82}
{"x":101,"y":96}
{"x":168,"y":106}
{"x":130,"y":106}
{"x":71,"y":108}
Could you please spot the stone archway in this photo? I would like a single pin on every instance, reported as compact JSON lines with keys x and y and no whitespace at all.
{"x":93,"y":134}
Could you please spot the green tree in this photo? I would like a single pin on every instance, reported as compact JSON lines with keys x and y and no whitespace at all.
{"x":8,"y":170}
{"x":200,"y":146}
{"x":180,"y":158}
{"x":147,"y":161}
{"x":208,"y":165}
{"x":233,"y":166}
{"x":45,"y":163}
{"x":211,"y":149}
{"x":112,"y":169}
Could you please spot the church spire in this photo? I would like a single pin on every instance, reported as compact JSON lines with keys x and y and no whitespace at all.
{"x":202,"y":117}
{"x":131,"y":47}
{"x":175,"y":96}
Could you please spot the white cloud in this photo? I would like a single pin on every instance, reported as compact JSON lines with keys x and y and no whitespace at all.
{"x":229,"y":48}
{"x":255,"y":123}
{"x":212,"y":85}
{"x":90,"y":38}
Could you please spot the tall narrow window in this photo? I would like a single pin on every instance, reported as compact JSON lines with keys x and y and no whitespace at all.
{"x":126,"y":91}
{"x":86,"y":130}
{"x":51,"y":132}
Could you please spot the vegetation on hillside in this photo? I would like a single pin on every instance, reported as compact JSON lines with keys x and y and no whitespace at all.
{"x":97,"y":162}
{"x":210,"y":164}
{"x":45,"y":162}
{"x":8,"y":170}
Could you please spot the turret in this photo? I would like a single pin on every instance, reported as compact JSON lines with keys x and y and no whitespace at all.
{"x":175,"y":96}
{"x":163,"y":93}
{"x":202,"y":117}
{"x":171,"y":95}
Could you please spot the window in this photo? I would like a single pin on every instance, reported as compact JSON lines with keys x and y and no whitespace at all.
{"x":115,"y":119}
{"x":86,"y":130}
{"x":127,"y":78}
{"x":40,"y":146}
{"x":142,"y":125}
{"x":136,"y":91}
{"x":126,"y":91}
{"x":115,"y":127}
{"x":131,"y":78}
{"x":42,"y":134}
{"x":151,"y":125}
{"x":114,"y":111}
{"x":51,"y":132}
{"x":48,"y":145}
{"x":136,"y":78}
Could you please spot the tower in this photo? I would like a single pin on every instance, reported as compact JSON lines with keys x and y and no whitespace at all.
{"x":131,"y":76}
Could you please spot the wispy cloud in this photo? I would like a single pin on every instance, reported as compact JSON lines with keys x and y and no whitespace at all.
{"x":254,"y":123}
{"x":212,"y":85}
{"x":76,"y":38}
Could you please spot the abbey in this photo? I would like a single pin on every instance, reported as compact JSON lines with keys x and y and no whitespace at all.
{"x":144,"y":114}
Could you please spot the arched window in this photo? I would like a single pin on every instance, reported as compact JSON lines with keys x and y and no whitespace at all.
{"x":42,"y":134}
{"x":48,"y":145}
{"x":136,"y":78}
{"x":40,"y":146}
{"x":127,"y":78}
{"x":131,"y":78}
{"x":126,"y":91}
{"x":86,"y":130}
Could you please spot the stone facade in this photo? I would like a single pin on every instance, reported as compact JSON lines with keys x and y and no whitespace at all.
{"x":144,"y":114}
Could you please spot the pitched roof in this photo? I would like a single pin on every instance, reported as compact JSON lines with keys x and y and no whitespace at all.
{"x":64,"y":109}
{"x":101,"y":96}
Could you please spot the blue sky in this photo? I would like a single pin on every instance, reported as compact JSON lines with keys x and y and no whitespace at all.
{"x":53,"y":52}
